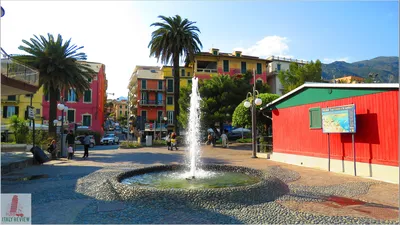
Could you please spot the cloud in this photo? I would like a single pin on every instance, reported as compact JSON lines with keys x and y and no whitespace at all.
{"x":268,"y":46}
{"x":330,"y":60}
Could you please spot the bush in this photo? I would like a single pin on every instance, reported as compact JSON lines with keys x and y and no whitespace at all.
{"x":128,"y":144}
{"x":244,"y":140}
{"x":20,"y":129}
{"x":41,"y":138}
{"x":159,"y":143}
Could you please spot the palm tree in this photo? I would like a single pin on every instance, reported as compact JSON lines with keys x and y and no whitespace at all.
{"x":174,"y":38}
{"x":58,"y":66}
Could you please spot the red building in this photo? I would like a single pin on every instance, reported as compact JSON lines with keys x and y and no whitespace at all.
{"x":298,"y":137}
{"x":88,"y":109}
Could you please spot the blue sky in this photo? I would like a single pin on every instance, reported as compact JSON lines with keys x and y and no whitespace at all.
{"x":117,"y":33}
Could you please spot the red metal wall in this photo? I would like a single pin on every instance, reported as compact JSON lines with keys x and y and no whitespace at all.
{"x":376,"y":140}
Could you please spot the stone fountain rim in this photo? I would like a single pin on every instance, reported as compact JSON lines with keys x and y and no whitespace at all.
{"x":264,"y":178}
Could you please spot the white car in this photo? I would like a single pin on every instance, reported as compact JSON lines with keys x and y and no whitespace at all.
{"x":109,"y":139}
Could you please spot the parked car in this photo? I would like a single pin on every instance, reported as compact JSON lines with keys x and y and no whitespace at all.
{"x":109,"y":139}
{"x":79,"y":140}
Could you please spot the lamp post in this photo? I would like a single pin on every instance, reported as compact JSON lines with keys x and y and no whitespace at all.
{"x":255,"y":101}
{"x":63,"y":108}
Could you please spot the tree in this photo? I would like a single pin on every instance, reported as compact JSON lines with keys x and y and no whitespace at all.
{"x":184,"y":104}
{"x":20,"y":129}
{"x":58,"y":68}
{"x":242,"y":115}
{"x":297,"y":75}
{"x":175,"y":38}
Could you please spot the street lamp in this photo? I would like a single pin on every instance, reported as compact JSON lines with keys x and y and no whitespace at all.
{"x":63,"y":108}
{"x":255,"y":101}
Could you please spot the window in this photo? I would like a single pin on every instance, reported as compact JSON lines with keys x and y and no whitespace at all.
{"x":38,"y":111}
{"x":144,"y":116}
{"x":9,"y":111}
{"x":215,"y":52}
{"x":159,"y":98}
{"x":259,"y":82}
{"x":315,"y":118}
{"x":226,"y":65}
{"x":170,"y":100}
{"x":278,"y":67}
{"x":89,"y":80}
{"x":47,"y":97}
{"x":160,"y":85}
{"x":188,"y":74}
{"x":189,"y":82}
{"x":259,"y":68}
{"x":120,"y":112}
{"x":144,"y":84}
{"x":170,"y":85}
{"x":244,"y":67}
{"x":237,"y":54}
{"x":12,"y":98}
{"x":126,"y":113}
{"x":71,"y":116}
{"x":87,"y":97}
{"x":120,"y":106}
{"x":72,"y":97}
{"x":183,"y":72}
{"x":126,"y":107}
{"x":144,"y":98}
{"x":86,"y":120}
{"x":170,"y":116}
{"x":160,"y":116}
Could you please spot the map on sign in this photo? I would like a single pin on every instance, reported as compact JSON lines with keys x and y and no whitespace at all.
{"x":340,"y":119}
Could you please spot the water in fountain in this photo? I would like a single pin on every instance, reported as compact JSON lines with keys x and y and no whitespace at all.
{"x":193,"y":134}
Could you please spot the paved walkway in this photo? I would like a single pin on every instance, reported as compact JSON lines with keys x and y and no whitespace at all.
{"x":55,"y":184}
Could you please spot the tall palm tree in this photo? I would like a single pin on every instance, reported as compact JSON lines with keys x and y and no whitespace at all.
{"x":58,"y":66}
{"x":174,"y":38}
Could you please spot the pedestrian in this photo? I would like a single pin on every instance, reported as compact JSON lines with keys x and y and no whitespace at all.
{"x":70,"y":152}
{"x":224,"y":139}
{"x":173,"y":141}
{"x":70,"y":139}
{"x":168,"y":140}
{"x":52,"y":149}
{"x":86,"y":143}
{"x":209,"y":138}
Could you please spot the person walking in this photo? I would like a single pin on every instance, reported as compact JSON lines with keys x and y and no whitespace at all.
{"x":224,"y":139}
{"x":168,"y":140}
{"x":70,"y":152}
{"x":86,"y":143}
{"x":70,"y":140}
{"x":174,"y":142}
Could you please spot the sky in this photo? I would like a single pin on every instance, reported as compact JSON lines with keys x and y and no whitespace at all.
{"x":117,"y":33}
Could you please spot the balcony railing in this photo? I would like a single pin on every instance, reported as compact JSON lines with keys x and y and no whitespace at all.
{"x":152,"y":89}
{"x":15,"y":70}
{"x":201,"y":70}
{"x":151,"y":102}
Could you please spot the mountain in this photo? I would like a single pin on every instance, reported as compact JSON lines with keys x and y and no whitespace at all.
{"x":386,"y":67}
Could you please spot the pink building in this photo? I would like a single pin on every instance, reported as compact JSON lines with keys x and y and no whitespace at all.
{"x":88,"y":109}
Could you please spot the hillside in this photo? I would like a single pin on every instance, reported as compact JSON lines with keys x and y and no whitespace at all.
{"x":386,"y":67}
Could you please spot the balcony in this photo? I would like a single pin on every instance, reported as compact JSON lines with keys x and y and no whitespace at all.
{"x":16,"y":78}
{"x":145,"y":102}
{"x":152,"y":89}
{"x":200,"y":70}
{"x":10,"y":99}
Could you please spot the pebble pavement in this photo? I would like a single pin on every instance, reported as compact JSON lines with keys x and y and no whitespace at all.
{"x":97,"y":189}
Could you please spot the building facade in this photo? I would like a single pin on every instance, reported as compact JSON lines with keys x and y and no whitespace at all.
{"x":215,"y":62}
{"x":279,"y":64}
{"x":88,"y":109}
{"x":348,"y":79}
{"x":298,"y":138}
{"x":120,"y":108}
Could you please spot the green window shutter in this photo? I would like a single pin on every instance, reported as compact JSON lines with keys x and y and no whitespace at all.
{"x":183,"y":72}
{"x":315,"y":118}
{"x":144,"y":84}
{"x":226,"y":65}
{"x":244,"y":67}
{"x":188,"y":73}
{"x":259,"y":69}
{"x":17,"y":111}
{"x":87,"y":96}
{"x":70,"y":116}
{"x":4,"y":111}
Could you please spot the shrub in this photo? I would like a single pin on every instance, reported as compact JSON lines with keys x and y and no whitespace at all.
{"x":20,"y":129}
{"x":244,"y":140}
{"x":128,"y":144}
{"x":159,"y":143}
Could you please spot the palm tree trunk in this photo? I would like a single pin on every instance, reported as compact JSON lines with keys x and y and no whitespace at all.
{"x":52,"y":111}
{"x":176,"y":91}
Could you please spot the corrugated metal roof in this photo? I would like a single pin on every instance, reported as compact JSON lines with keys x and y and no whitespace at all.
{"x":331,"y":85}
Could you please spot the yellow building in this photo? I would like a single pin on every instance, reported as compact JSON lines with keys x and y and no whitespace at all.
{"x":120,"y":108}
{"x":215,"y":62}
{"x":186,"y":74}
{"x":17,"y":105}
{"x":349,"y":79}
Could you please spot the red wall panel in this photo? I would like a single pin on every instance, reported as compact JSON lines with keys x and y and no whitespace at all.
{"x":376,"y":140}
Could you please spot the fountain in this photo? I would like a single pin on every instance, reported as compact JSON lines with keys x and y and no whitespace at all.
{"x":205,"y":181}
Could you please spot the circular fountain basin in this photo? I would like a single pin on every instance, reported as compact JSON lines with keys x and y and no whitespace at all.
{"x":220,"y":183}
